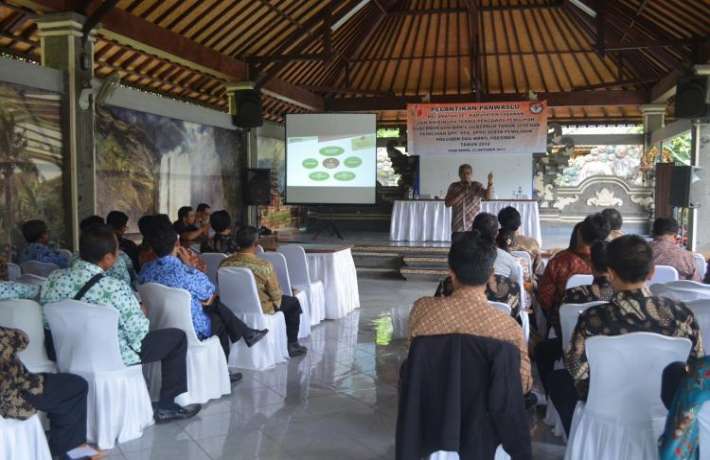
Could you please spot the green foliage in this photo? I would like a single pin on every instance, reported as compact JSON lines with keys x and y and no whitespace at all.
{"x":388,"y":132}
{"x":680,"y":146}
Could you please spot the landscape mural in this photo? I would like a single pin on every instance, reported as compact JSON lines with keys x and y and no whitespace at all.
{"x":31,"y":163}
{"x":147,"y":163}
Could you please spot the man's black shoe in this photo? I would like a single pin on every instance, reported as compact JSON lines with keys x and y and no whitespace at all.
{"x":235,"y":377}
{"x":254,"y":337}
{"x":177,"y":413}
{"x":294,"y":349}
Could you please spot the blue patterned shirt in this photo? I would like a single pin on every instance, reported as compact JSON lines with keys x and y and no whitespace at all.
{"x":9,"y":290}
{"x":43,"y":253}
{"x":132,"y":323}
{"x":171,"y":272}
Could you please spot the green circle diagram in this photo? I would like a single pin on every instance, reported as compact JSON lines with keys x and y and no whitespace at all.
{"x":319,"y":175}
{"x":331,"y":163}
{"x":310,"y":163}
{"x":344,"y":176}
{"x":331,"y":151}
{"x":352,"y":162}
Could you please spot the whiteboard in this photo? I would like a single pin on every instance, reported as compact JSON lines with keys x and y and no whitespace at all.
{"x":510,"y":171}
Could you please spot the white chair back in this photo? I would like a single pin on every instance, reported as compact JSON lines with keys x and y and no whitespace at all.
{"x":13,"y":271}
{"x":664,"y":274}
{"x":38,"y":268}
{"x":526,"y":258}
{"x":626,"y":371}
{"x":26,"y":315}
{"x":29,"y":278}
{"x":504,"y":307}
{"x":579,"y":280}
{"x":297,"y":263}
{"x":213,"y":259}
{"x":701,"y":311}
{"x":682,"y":290}
{"x":77,"y":330}
{"x":569,"y":313}
{"x":169,"y":308}
{"x":281,"y":267}
{"x":259,"y":249}
{"x":237,"y":290}
{"x":701,"y":264}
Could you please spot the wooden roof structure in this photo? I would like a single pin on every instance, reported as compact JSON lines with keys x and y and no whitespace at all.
{"x":593,"y":60}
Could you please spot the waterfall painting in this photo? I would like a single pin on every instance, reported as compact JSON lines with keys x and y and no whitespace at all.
{"x":31,"y":162}
{"x":147,"y":163}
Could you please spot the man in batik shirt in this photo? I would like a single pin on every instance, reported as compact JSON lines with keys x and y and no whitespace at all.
{"x":464,"y":199}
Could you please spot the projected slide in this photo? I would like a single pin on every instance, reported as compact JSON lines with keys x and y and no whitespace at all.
{"x":331,"y":158}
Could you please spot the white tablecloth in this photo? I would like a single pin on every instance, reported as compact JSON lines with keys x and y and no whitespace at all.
{"x":337,"y":272}
{"x":430,"y":220}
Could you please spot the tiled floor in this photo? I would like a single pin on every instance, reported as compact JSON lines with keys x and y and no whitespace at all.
{"x":339,"y":402}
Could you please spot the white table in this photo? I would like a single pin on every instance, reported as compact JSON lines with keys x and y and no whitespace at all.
{"x":336,"y":269}
{"x":430,"y":220}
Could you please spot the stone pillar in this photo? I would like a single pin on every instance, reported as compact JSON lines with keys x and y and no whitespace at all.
{"x":63,"y":48}
{"x":700,"y":190}
{"x":248,"y":143}
{"x":654,"y":118}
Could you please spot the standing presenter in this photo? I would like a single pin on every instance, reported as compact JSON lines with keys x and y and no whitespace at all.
{"x":465,"y":198}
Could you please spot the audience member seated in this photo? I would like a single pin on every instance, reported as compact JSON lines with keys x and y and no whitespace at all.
{"x":615,"y":223}
{"x":186,"y":228}
{"x":466,"y":310}
{"x":510,"y":222}
{"x":498,"y":289}
{"x":223,"y":239}
{"x":209,"y":316}
{"x":666,"y":250}
{"x":270,"y":294}
{"x":684,"y":392}
{"x":10,"y":290}
{"x":600,"y":289}
{"x":202,"y":215}
{"x":631,"y":309}
{"x":572,"y":261}
{"x":122,"y":269}
{"x":119,"y":222}
{"x":87,"y":281}
{"x":37,"y":237}
{"x":147,"y":254}
{"x":487,"y":226}
{"x":61,"y":396}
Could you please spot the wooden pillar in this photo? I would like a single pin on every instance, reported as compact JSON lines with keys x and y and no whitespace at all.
{"x":654,"y":118}
{"x":63,"y":48}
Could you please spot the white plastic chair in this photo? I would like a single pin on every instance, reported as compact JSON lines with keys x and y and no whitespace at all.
{"x":579,"y":280}
{"x":518,"y":276}
{"x":701,"y":264}
{"x":664,"y":274}
{"x":207,"y":372}
{"x":23,"y":439}
{"x":26,"y":315}
{"x":527,"y":259}
{"x":500,"y":454}
{"x":38,"y":268}
{"x":237,"y":290}
{"x":213,"y":259}
{"x":259,"y":249}
{"x":86,"y":340}
{"x":682,"y":290}
{"x":504,"y":307}
{"x":278,"y":261}
{"x":301,"y":279}
{"x":701,"y":311}
{"x":13,"y":271}
{"x":29,"y":278}
{"x":569,"y":313}
{"x":624,"y":414}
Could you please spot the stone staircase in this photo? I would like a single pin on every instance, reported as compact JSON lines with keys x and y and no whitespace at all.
{"x":409,"y":262}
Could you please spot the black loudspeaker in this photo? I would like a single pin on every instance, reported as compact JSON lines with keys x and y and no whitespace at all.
{"x":692,"y":97}
{"x":686,"y":188}
{"x":248,"y":107}
{"x":257,"y":189}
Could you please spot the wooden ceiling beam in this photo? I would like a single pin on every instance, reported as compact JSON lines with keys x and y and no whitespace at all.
{"x":560,"y":99}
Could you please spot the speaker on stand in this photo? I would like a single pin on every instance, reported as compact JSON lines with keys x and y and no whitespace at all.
{"x":257,"y":189}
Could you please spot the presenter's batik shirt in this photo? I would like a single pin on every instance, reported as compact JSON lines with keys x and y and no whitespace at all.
{"x":170,"y":271}
{"x":466,"y":204}
{"x":10,"y":290}
{"x":43,"y":253}
{"x":109,"y":291}
{"x":629,"y":311}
